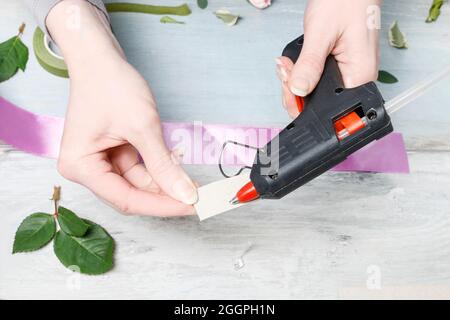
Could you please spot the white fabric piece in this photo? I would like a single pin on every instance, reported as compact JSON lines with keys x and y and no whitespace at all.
{"x":213,"y":198}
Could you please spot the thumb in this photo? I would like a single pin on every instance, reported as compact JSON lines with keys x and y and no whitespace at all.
{"x":163,"y":167}
{"x":309,"y":66}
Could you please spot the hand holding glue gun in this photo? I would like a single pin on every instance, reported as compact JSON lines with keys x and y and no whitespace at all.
{"x":336,"y":28}
{"x":342,"y":28}
{"x":333,"y":121}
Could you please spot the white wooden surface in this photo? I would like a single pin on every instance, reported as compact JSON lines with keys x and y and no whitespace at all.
{"x":327,"y":240}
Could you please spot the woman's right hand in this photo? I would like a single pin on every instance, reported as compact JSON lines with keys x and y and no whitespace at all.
{"x":348,"y":30}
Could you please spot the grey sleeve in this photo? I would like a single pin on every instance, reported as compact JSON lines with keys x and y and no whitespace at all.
{"x":41,"y":8}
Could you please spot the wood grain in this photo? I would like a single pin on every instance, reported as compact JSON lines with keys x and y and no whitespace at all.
{"x":320,"y":242}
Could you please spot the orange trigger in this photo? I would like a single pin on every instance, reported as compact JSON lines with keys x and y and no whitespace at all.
{"x":300,"y":103}
{"x":349,"y":124}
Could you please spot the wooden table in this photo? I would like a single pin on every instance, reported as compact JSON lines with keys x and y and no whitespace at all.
{"x":343,"y":235}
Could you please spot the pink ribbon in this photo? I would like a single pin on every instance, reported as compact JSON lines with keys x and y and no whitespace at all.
{"x":200,"y":143}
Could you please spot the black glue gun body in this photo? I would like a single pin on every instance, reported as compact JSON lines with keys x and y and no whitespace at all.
{"x":334,"y":123}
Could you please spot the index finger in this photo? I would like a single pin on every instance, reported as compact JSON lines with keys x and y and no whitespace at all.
{"x":122,"y":195}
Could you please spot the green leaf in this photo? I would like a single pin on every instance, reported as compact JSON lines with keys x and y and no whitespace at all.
{"x":70,"y":223}
{"x":13,"y":56}
{"x":8,"y":64}
{"x":91,"y":254}
{"x":435,"y":10}
{"x":386,"y":77}
{"x":397,"y":38}
{"x":167,"y":19}
{"x":228,"y":18}
{"x":22,"y":54}
{"x":202,"y":4}
{"x":34,"y":232}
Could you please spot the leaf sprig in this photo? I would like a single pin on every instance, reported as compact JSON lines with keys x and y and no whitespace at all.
{"x":435,"y":11}
{"x":13,"y":56}
{"x":202,"y":4}
{"x":386,"y":77}
{"x":227,"y":17}
{"x":167,"y":19}
{"x":79,"y":242}
{"x":397,"y":38}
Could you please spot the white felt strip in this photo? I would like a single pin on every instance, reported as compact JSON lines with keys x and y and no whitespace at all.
{"x":214,"y":197}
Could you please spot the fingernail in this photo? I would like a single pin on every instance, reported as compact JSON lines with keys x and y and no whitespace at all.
{"x":185,"y":191}
{"x":278,"y":62}
{"x":300,"y":86}
{"x":283,"y":74}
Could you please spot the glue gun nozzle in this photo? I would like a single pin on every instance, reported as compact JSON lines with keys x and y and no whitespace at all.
{"x":235,"y":200}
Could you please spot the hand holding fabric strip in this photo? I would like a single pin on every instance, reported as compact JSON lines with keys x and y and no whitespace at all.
{"x":111,"y":119}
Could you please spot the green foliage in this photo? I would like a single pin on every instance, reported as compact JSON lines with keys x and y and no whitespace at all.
{"x":202,"y":4}
{"x":226,"y":16}
{"x":386,"y":77}
{"x":435,"y":10}
{"x":167,"y":19}
{"x":70,"y":223}
{"x":397,"y":38}
{"x":13,"y":56}
{"x":181,"y":10}
{"x":80,"y":245}
{"x":34,"y":232}
{"x":91,"y":254}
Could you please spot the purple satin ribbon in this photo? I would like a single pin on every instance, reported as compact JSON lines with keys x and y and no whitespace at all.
{"x":200,"y":143}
